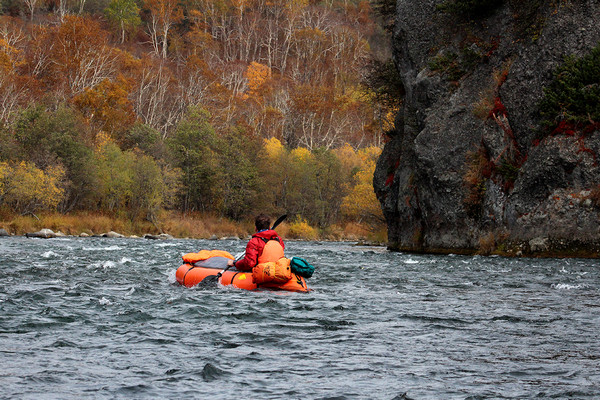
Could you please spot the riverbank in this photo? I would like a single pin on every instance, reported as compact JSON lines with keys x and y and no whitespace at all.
{"x":170,"y":224}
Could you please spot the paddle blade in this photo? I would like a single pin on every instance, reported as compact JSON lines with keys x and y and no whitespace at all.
{"x":278,"y":221}
{"x":212,"y":280}
{"x":209,"y":281}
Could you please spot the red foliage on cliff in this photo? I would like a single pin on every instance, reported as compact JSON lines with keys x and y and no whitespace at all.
{"x":499,"y":109}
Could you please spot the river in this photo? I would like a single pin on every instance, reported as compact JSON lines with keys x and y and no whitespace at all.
{"x":105,"y":319}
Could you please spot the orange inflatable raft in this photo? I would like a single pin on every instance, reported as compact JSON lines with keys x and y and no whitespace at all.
{"x":198,"y":266}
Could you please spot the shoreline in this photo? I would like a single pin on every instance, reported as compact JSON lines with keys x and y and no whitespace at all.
{"x":516,"y":251}
{"x":171,"y":225}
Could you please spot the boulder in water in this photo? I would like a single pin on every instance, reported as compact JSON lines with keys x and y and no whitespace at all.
{"x":43,"y":233}
{"x":162,"y":236}
{"x":112,"y":234}
{"x":4,"y":233}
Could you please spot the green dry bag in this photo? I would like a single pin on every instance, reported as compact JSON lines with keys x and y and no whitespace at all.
{"x":301,"y":267}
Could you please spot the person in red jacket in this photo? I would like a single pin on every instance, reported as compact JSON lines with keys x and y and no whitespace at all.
{"x":264,"y":246}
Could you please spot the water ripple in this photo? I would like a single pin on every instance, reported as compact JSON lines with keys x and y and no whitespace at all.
{"x":104,"y":318}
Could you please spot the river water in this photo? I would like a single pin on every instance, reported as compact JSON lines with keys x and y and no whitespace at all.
{"x":105,"y":319}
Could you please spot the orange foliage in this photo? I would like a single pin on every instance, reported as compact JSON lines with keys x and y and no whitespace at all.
{"x":257,"y":74}
{"x":80,"y":56}
{"x":107,"y":106}
{"x":296,"y":59}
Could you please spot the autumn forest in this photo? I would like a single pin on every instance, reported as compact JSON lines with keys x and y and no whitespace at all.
{"x":145,"y":110}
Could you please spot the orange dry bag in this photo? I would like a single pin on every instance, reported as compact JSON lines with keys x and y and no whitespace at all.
{"x":275,"y":272}
{"x":272,"y":251}
{"x":202,"y":255}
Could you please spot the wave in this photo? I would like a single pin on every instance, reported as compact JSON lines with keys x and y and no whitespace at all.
{"x":169,"y":244}
{"x":105,"y":302}
{"x":103,"y":264}
{"x":172,"y":278}
{"x":567,"y":286}
{"x":109,"y":248}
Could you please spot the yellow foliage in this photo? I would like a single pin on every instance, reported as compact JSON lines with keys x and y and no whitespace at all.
{"x":4,"y":174}
{"x":130,"y":65}
{"x":361,"y":201}
{"x":273,"y":148}
{"x":300,"y":229}
{"x":25,"y":187}
{"x":103,"y":139}
{"x":348,"y":158}
{"x":389,"y":119}
{"x":370,"y":154}
{"x":195,"y":15}
{"x":301,"y":154}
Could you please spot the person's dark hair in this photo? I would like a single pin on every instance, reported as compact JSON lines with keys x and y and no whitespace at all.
{"x":262,"y":221}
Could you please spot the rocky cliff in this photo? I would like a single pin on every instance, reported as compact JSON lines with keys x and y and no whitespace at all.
{"x":470,"y":166}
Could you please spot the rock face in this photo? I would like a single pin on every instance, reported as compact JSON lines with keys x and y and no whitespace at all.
{"x":465,"y":170}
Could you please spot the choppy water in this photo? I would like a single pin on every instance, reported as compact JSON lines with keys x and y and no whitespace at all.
{"x":104,"y":319}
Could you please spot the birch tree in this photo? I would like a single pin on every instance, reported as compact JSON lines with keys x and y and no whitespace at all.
{"x":124,"y":14}
{"x":164,"y":14}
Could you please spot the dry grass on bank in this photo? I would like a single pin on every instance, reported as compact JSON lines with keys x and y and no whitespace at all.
{"x":197,"y":226}
{"x":74,"y":224}
{"x":202,"y":226}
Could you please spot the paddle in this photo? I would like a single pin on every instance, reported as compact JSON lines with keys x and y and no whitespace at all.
{"x":278,"y":221}
{"x":214,"y":279}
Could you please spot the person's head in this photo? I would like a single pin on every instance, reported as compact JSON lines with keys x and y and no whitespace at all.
{"x":262,"y":221}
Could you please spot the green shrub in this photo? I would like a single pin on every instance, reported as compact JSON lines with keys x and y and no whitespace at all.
{"x":47,"y":137}
{"x":385,"y":82}
{"x":508,"y":170}
{"x":572,"y":100}
{"x":194,"y":150}
{"x":239,"y":158}
{"x":454,"y":66}
{"x":448,"y":64}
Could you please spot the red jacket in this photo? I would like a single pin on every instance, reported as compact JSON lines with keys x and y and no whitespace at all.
{"x":254,"y":249}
